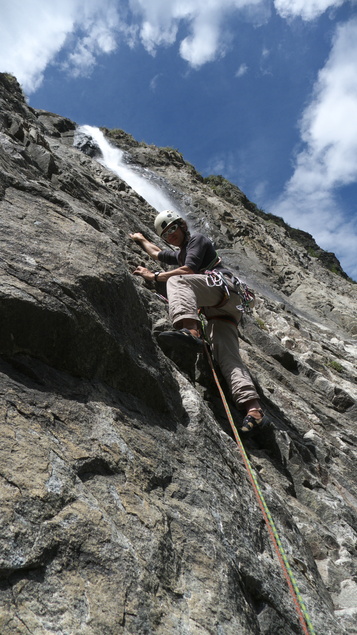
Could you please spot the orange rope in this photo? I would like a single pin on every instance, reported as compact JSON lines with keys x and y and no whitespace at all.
{"x":304,"y":618}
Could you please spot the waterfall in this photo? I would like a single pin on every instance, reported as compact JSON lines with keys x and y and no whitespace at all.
{"x":113,"y":159}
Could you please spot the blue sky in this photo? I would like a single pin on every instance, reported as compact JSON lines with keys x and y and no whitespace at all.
{"x":263,"y":92}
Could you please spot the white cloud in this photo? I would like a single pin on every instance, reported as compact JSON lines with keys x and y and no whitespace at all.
{"x":33,"y":32}
{"x":204,"y":45}
{"x":306,"y":9}
{"x":205,"y":19}
{"x":328,"y":160}
{"x":260,"y":190}
{"x":100,"y":37}
{"x":241,"y":70}
{"x":154,"y":82}
{"x":159,"y":22}
{"x":28,"y":39}
{"x":223,"y":163}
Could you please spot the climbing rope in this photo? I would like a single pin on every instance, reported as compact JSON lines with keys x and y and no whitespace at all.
{"x":303,"y":615}
{"x":298,"y":602}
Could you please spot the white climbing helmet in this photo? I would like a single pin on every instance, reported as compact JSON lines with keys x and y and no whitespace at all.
{"x":164,"y":219}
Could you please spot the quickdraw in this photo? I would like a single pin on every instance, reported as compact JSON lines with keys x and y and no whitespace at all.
{"x":247,"y":295}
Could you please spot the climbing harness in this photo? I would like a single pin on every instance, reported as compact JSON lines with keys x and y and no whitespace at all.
{"x":301,"y":610}
{"x":245,"y":293}
{"x":214,"y":263}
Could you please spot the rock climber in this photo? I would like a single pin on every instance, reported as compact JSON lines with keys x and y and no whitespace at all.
{"x":199,"y":281}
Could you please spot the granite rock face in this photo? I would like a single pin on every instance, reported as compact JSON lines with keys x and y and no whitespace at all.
{"x":126,"y":506}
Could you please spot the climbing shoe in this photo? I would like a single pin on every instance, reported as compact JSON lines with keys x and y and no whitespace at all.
{"x":181,"y":338}
{"x":252,"y":424}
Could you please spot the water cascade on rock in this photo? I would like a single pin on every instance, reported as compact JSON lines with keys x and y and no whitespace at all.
{"x":114,"y":159}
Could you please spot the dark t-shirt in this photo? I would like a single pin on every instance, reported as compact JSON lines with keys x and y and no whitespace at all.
{"x":197,"y":253}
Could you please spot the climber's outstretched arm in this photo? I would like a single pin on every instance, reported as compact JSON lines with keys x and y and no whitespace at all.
{"x":151,"y":249}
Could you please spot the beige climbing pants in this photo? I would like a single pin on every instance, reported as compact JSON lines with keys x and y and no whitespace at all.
{"x":188,"y":293}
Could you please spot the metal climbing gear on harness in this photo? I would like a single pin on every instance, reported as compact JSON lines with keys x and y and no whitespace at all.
{"x":245,"y":293}
{"x":215,"y":279}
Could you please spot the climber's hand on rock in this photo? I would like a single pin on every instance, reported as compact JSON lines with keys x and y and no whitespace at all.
{"x":144,"y":273}
{"x":137,"y":237}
